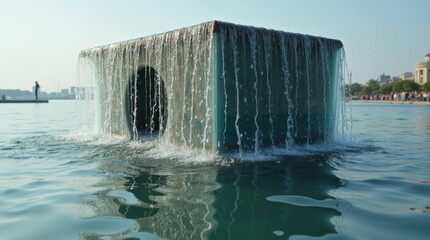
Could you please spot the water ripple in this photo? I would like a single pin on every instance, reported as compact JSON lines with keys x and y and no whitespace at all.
{"x":303,"y":201}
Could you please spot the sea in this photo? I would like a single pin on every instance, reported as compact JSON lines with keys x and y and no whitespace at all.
{"x":58,"y":181}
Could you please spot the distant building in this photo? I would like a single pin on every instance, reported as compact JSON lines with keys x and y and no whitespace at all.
{"x":423,"y":71}
{"x":64,"y":91}
{"x":74,"y":90}
{"x":407,"y":76}
{"x":384,"y":79}
{"x":396,"y":79}
{"x":82,"y":92}
{"x":77,"y":90}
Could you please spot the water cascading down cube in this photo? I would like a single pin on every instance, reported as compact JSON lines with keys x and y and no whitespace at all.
{"x":218,"y":86}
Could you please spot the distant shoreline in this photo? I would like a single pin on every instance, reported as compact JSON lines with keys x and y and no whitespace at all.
{"x":393,"y":102}
{"x":24,"y":101}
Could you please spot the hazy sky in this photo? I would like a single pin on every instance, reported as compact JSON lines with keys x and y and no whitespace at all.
{"x":41,"y":39}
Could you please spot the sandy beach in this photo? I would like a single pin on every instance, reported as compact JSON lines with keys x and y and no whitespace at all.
{"x":393,"y":102}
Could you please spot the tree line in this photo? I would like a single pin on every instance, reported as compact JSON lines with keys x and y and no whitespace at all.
{"x":15,"y":92}
{"x":373,"y":87}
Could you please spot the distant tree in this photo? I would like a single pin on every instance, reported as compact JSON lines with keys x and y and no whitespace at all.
{"x":15,"y":93}
{"x":397,"y":87}
{"x":366,"y":91}
{"x":354,"y":89}
{"x":426,"y":86}
{"x":386,"y":89}
{"x":409,"y":86}
{"x":373,"y":85}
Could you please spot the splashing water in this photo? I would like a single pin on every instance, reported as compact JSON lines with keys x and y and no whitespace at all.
{"x":217,"y":86}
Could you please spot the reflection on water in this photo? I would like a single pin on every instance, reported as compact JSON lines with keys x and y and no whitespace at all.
{"x":166,"y":202}
{"x":423,"y":209}
{"x":244,"y":208}
{"x":58,"y":187}
{"x":142,"y":187}
{"x":241,"y":200}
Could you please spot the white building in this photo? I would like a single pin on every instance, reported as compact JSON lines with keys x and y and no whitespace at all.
{"x":423,"y":71}
{"x":407,"y":76}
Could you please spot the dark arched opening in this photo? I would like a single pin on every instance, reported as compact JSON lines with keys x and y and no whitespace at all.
{"x":147,"y":103}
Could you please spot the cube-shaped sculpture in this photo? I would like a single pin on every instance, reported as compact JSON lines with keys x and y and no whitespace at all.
{"x":218,"y":86}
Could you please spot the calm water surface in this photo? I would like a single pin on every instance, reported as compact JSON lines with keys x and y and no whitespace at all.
{"x":58,"y":184}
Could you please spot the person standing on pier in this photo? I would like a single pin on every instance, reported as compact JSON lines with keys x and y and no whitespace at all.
{"x":36,"y":89}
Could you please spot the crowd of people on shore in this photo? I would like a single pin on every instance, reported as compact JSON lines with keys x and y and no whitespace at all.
{"x":403,"y":96}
